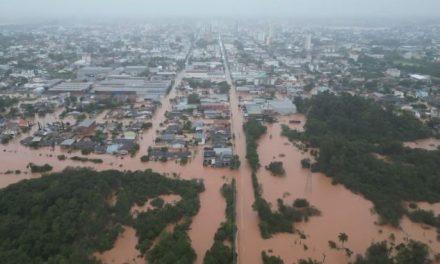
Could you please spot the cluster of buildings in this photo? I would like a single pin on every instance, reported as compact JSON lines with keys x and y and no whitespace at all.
{"x":84,"y":71}
{"x":271,"y":62}
{"x":200,"y":117}
{"x":88,"y":136}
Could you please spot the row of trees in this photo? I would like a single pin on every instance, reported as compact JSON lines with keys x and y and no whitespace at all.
{"x":223,"y":87}
{"x":221,"y":252}
{"x":404,"y":253}
{"x":65,"y":217}
{"x":6,"y":101}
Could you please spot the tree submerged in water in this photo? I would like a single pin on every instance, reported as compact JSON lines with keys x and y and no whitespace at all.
{"x":276,"y":168}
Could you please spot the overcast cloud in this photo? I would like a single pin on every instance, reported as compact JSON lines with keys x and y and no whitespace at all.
{"x":293,"y":8}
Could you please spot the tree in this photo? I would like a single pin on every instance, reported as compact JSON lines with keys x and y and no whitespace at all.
{"x":308,"y":261}
{"x":193,"y":98}
{"x":276,"y":168}
{"x":271,"y":259}
{"x":343,"y":237}
{"x":377,"y":253}
{"x":332,"y":244}
{"x":235,"y":162}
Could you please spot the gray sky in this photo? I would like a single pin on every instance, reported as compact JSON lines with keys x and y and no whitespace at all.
{"x":22,"y":9}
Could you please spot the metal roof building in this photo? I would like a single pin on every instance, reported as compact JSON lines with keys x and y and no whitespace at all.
{"x":73,"y":87}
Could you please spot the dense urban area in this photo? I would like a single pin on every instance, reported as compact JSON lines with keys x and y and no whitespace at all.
{"x":219,"y":141}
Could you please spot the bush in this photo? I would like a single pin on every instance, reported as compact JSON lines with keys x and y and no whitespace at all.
{"x":301,"y":203}
{"x":84,"y":159}
{"x":235,"y":162}
{"x":276,"y":168}
{"x":40,"y":169}
{"x":270,"y":259}
{"x":145,"y":158}
{"x":158,"y":202}
{"x":305,"y":163}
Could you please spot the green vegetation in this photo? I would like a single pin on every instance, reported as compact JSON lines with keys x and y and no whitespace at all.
{"x":425,"y":217}
{"x":193,"y":99}
{"x":99,"y":137}
{"x":271,"y":259}
{"x":349,"y":130}
{"x":135,"y":148}
{"x":6,"y":101}
{"x":305,"y":163}
{"x":409,"y":253}
{"x":276,"y":168}
{"x":65,"y":217}
{"x":145,"y":158}
{"x":147,"y":125}
{"x":84,"y":159}
{"x":342,"y":237}
{"x":235,"y":163}
{"x":224,"y":87}
{"x":157,"y":202}
{"x":253,"y":130}
{"x":220,"y":253}
{"x":308,"y":261}
{"x":61,"y":157}
{"x":39,"y":168}
{"x":301,"y":203}
{"x":174,"y":247}
{"x":270,"y":222}
{"x":281,"y":220}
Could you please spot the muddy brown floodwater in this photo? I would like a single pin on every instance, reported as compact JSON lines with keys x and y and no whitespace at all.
{"x":428,"y":144}
{"x":124,"y":250}
{"x":342,"y":211}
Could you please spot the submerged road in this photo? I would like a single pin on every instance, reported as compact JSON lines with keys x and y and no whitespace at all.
{"x":244,"y":197}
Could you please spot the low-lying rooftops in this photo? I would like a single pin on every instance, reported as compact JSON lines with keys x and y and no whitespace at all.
{"x":72,"y":86}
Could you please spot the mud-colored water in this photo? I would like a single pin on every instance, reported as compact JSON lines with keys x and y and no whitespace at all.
{"x":342,"y":211}
{"x":124,"y":250}
{"x":171,"y":199}
{"x":428,"y":144}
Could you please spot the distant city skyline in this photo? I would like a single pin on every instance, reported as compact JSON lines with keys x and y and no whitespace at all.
{"x":25,"y":9}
